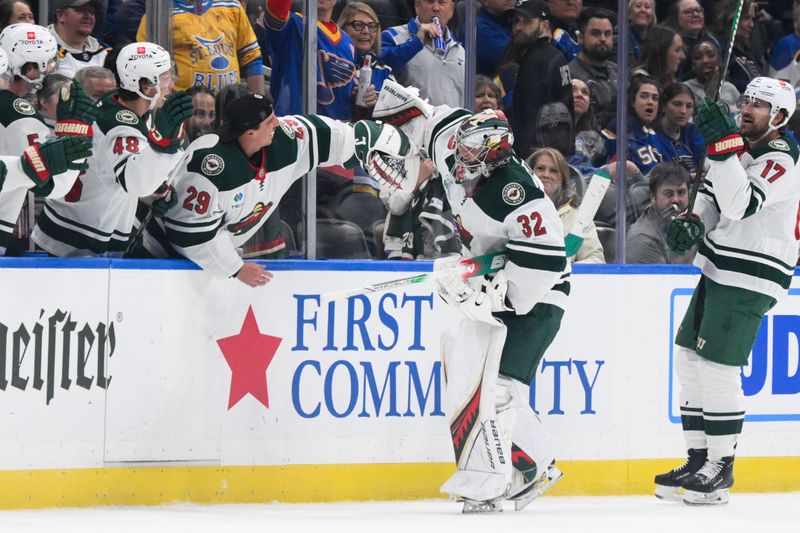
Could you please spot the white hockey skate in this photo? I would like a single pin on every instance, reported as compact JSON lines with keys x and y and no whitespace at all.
{"x":537,"y":487}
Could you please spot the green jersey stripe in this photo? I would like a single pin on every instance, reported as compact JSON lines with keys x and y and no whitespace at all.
{"x":323,"y":132}
{"x":550,"y":263}
{"x":71,"y":237}
{"x":537,"y":246}
{"x":311,"y":160}
{"x":788,"y":268}
{"x":746,"y":267}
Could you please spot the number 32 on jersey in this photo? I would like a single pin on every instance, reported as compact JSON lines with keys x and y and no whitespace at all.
{"x":532,"y":225}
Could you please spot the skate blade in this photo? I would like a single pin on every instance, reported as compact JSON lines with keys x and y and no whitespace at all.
{"x":668,"y":494}
{"x":538,"y":488}
{"x":718,"y":497}
{"x":475,"y":507}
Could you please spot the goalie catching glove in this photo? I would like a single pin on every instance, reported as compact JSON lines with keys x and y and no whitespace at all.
{"x":75,"y":112}
{"x":386,"y":154}
{"x":41,"y":162}
{"x":168,"y":123}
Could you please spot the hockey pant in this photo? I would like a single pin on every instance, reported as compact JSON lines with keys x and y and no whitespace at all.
{"x":711,"y":403}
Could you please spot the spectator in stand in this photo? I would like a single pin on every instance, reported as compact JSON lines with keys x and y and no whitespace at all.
{"x":14,"y":11}
{"x":487,"y":94}
{"x":213,"y":45}
{"x":47,"y":97}
{"x":706,"y":62}
{"x":646,"y":240}
{"x":72,"y":29}
{"x":542,"y":75}
{"x":582,"y":102}
{"x":678,"y":139}
{"x":662,"y":54}
{"x":411,"y":52}
{"x":361,"y":23}
{"x":122,"y":27}
{"x":687,"y":17}
{"x":783,"y":64}
{"x":336,"y":70}
{"x":493,"y":34}
{"x":564,"y":26}
{"x":204,"y":113}
{"x":644,"y":97}
{"x":592,"y":63}
{"x":96,"y":81}
{"x":553,"y":171}
{"x":743,"y":66}
{"x":641,"y":17}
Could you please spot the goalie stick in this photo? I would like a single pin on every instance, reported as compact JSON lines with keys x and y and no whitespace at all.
{"x":722,"y":72}
{"x":469,"y":267}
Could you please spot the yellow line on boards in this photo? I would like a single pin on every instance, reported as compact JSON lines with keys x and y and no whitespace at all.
{"x":24,"y":489}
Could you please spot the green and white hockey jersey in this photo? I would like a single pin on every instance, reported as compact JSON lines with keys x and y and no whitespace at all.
{"x":508,"y":211}
{"x":96,"y":218}
{"x":20,"y":127}
{"x":750,"y":209}
{"x":224,"y":196}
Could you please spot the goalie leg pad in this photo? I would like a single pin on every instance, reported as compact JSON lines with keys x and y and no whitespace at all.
{"x":482,"y":449}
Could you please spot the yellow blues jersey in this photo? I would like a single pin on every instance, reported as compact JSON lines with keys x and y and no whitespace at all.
{"x":213,"y":44}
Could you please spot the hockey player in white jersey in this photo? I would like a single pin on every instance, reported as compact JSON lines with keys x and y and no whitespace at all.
{"x":30,"y":51}
{"x":750,"y":206}
{"x":137,"y":138}
{"x":499,"y":204}
{"x":227,"y":190}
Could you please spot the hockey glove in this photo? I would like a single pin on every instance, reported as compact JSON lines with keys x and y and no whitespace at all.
{"x":684,"y":231}
{"x":169,"y":200}
{"x":719,"y":130}
{"x":41,"y":162}
{"x":168,"y":123}
{"x":75,"y":113}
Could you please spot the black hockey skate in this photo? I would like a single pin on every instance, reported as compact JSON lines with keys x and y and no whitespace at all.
{"x":667,"y":485}
{"x":710,"y":485}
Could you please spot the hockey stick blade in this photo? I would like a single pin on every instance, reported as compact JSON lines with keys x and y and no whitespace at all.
{"x":469,"y":267}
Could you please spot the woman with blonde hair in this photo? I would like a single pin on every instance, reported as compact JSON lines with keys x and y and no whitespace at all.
{"x":361,"y":23}
{"x":552,"y":169}
{"x":641,"y":17}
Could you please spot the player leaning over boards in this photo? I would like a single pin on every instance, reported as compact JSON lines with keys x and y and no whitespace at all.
{"x":228,"y":186}
{"x":748,"y":261}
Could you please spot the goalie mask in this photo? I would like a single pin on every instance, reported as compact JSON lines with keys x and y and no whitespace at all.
{"x":779,"y":94}
{"x":29,"y":44}
{"x":483,"y":143}
{"x":143,"y":62}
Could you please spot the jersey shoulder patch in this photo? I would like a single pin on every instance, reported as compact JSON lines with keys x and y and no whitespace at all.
{"x":112,"y":114}
{"x":785,"y":145}
{"x":13,"y":108}
{"x":506,"y":189}
{"x":223,"y":164}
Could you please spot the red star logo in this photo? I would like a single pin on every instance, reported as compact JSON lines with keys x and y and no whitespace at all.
{"x":248,"y":355}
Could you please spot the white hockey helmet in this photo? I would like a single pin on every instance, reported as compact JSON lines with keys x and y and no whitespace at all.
{"x":28,"y":43}
{"x":778,"y":93}
{"x":3,"y":61}
{"x":146,"y":62}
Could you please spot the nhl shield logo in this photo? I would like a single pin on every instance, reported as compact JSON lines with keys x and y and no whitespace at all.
{"x":23,"y":107}
{"x":513,"y":194}
{"x":212,"y":165}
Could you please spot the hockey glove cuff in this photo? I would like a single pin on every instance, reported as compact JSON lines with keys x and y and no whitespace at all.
{"x":41,"y":162}
{"x":725,"y":147}
{"x":75,"y":113}
{"x":168,"y":123}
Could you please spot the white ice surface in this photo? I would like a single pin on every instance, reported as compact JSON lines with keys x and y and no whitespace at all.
{"x":749,"y":513}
